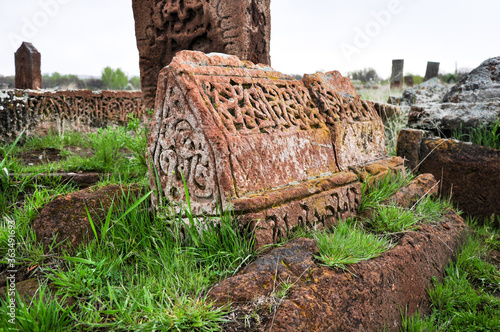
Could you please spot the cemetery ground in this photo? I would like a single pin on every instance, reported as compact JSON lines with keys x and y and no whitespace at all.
{"x":146,"y":270}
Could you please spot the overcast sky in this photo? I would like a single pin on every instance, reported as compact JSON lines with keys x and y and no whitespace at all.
{"x":84,"y":36}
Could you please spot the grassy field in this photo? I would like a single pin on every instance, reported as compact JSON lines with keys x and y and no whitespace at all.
{"x":147,"y":271}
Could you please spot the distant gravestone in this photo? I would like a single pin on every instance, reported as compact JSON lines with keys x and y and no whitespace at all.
{"x":432,"y":70}
{"x":397,"y":74}
{"x":28,"y":73}
{"x":409,"y":81}
{"x":164,"y":27}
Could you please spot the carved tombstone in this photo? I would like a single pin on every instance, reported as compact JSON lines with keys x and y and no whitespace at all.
{"x":432,"y":70}
{"x":276,"y":150}
{"x":28,"y":72}
{"x":397,"y":74}
{"x":164,"y":27}
{"x":409,"y":81}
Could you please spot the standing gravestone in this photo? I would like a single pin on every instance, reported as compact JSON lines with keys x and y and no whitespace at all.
{"x":397,"y":74}
{"x":432,"y":70}
{"x":163,"y":27}
{"x":28,"y":73}
{"x":409,"y":81}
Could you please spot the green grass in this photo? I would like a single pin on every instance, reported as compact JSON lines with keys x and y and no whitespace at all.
{"x":348,"y":244}
{"x":373,"y":193}
{"x":468,"y":297}
{"x":484,"y":134}
{"x":142,"y":273}
{"x":113,"y":149}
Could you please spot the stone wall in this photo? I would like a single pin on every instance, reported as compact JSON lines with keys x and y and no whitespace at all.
{"x":36,"y":112}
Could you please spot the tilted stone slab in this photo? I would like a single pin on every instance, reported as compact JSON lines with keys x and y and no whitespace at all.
{"x":244,"y":136}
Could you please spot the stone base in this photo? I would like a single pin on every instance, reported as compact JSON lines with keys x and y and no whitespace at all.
{"x":314,"y":204}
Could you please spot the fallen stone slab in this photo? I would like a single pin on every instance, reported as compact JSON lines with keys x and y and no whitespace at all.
{"x":466,"y":171}
{"x":65,"y":218}
{"x":278,"y":151}
{"x":368,"y":297}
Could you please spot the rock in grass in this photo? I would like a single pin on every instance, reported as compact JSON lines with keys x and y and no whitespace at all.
{"x":65,"y":219}
{"x":286,"y":290}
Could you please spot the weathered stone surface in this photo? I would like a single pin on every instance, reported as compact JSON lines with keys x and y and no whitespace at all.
{"x":163,"y":28}
{"x":357,"y":132}
{"x":28,"y":72}
{"x":444,"y":118}
{"x":480,"y":85}
{"x":427,"y":92}
{"x":37,"y":112}
{"x":233,"y":129}
{"x":467,"y":171}
{"x":408,"y":147}
{"x":367,"y":298}
{"x":422,"y":186}
{"x":326,"y":208}
{"x":474,"y":101}
{"x":386,"y":111}
{"x":272,"y":146}
{"x":378,"y":169}
{"x":397,"y":74}
{"x":431,"y":71}
{"x":65,"y":218}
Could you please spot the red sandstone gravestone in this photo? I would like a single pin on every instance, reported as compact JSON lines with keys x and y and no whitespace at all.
{"x":239,"y":27}
{"x":28,"y":73}
{"x":245,"y":136}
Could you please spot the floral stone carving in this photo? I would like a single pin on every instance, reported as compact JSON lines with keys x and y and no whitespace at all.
{"x":248,"y":137}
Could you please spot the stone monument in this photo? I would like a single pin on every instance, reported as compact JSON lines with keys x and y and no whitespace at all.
{"x":432,"y":70}
{"x":397,"y":74}
{"x":28,"y":73}
{"x":238,"y":27}
{"x":279,"y":152}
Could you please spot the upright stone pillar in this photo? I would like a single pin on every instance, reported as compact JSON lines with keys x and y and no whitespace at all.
{"x":432,"y":70}
{"x":397,"y":74}
{"x":164,"y":27}
{"x":409,"y":81}
{"x":28,"y":73}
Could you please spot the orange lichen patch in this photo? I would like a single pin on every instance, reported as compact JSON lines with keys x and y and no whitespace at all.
{"x":378,"y":169}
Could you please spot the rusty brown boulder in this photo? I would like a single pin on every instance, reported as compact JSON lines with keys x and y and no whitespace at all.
{"x":368,"y":297}
{"x":466,"y":171}
{"x":65,"y":218}
{"x":163,"y":28}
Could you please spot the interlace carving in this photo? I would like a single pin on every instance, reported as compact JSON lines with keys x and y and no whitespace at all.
{"x":251,"y":108}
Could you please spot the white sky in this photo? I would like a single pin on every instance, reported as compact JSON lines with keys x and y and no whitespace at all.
{"x":84,"y":36}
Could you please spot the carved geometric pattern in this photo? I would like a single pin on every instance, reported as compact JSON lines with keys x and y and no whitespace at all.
{"x":259,"y":107}
{"x":181,"y":150}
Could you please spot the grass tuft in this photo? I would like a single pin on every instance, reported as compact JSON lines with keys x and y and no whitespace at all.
{"x":348,"y":244}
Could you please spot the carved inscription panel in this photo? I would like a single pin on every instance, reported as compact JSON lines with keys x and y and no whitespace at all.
{"x":182,"y":156}
{"x":274,"y":132}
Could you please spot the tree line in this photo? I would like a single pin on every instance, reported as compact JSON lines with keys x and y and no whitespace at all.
{"x":111,"y":79}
